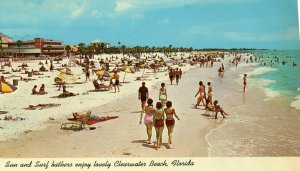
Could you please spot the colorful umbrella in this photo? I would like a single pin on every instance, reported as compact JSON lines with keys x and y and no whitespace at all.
{"x":7,"y":88}
{"x":105,"y":73}
{"x":126,"y":70}
{"x":67,"y":78}
{"x":65,"y":71}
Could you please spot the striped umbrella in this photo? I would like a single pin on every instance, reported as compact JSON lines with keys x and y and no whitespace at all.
{"x":7,"y":88}
{"x":105,"y":73}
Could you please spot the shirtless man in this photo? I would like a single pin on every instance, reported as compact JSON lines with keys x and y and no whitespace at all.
{"x":244,"y":82}
{"x":201,"y":91}
{"x":117,"y":82}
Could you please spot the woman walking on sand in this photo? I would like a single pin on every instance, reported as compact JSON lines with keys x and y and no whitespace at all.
{"x":163,"y":94}
{"x":170,"y":122}
{"x":171,"y":76}
{"x":158,"y":119}
{"x":244,"y":82}
{"x":209,"y":91}
{"x":148,"y":119}
{"x":201,"y":97}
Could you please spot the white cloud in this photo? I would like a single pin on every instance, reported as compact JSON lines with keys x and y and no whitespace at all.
{"x":77,"y":10}
{"x":288,"y":35}
{"x":123,"y":6}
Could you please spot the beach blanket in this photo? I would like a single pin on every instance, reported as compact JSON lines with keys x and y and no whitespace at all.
{"x":95,"y":119}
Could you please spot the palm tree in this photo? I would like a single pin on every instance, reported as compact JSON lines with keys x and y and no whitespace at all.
{"x":1,"y":46}
{"x":81,"y":49}
{"x":19,"y":44}
{"x":68,"y":48}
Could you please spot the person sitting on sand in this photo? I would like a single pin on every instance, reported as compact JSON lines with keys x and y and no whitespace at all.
{"x":2,"y":79}
{"x":34,"y":90}
{"x":66,"y":93}
{"x":42,"y":89}
{"x":42,"y":68}
{"x":218,"y":109}
{"x":170,"y":122}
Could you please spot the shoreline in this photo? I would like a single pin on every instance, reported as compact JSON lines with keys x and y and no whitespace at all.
{"x":194,"y":135}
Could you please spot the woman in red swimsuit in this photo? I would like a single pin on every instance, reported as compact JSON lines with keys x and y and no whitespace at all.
{"x":170,"y":122}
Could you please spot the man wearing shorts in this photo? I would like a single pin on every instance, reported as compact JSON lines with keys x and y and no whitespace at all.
{"x":117,"y":82}
{"x":143,"y":95}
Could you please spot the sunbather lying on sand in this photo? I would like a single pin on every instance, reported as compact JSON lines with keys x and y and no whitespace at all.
{"x":66,"y":93}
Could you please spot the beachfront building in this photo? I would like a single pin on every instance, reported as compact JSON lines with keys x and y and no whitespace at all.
{"x":34,"y":48}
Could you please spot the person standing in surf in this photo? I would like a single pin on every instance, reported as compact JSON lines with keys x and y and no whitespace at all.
{"x":244,"y":82}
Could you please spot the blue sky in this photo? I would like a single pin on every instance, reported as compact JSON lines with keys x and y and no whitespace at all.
{"x":181,"y":23}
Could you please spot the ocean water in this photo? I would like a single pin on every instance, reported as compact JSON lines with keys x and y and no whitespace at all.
{"x":281,"y":78}
{"x":264,"y":121}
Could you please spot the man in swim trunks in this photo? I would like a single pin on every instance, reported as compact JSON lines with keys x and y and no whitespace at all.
{"x":143,"y":95}
{"x":117,"y":82}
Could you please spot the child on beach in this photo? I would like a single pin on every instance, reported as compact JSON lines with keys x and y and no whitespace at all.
{"x":244,"y":82}
{"x":163,"y":94}
{"x":148,"y":119}
{"x":158,"y":119}
{"x":170,"y":122}
{"x":218,"y":109}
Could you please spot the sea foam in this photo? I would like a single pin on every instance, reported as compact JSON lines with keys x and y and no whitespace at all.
{"x":261,"y":70}
{"x":296,"y":104}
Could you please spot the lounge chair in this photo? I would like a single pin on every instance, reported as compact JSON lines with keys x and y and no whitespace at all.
{"x":100,"y":86}
{"x":210,"y":109}
{"x":78,"y":124}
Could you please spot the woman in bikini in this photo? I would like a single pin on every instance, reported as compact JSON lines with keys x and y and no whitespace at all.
{"x":201,"y":91}
{"x":218,"y":109}
{"x":170,"y":122}
{"x":148,"y":119}
{"x":163,"y":94}
{"x":158,"y":119}
{"x":244,"y":82}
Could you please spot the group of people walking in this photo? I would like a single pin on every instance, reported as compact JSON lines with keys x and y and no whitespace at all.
{"x":163,"y":114}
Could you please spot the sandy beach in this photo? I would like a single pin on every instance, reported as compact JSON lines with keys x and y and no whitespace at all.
{"x":195,"y":135}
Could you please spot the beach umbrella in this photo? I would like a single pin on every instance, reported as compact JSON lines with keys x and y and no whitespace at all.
{"x":105,"y":73}
{"x":127,"y":70}
{"x":7,"y":88}
{"x":65,"y":71}
{"x":67,"y":78}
